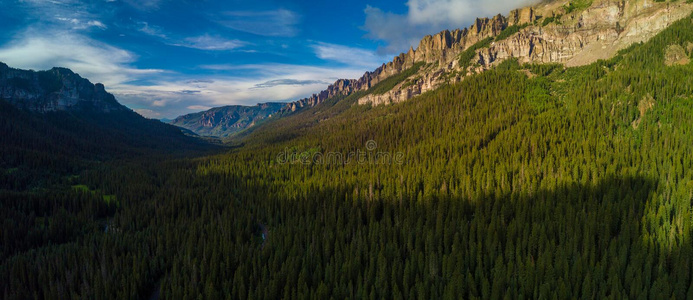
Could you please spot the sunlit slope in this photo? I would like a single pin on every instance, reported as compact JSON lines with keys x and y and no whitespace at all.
{"x":529,"y":179}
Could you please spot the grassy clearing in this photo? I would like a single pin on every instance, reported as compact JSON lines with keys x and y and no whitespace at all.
{"x":469,"y":54}
{"x":85,"y":189}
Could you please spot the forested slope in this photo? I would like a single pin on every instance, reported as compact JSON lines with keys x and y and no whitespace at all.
{"x":525,"y":181}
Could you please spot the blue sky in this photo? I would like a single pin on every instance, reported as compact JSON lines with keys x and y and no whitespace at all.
{"x":164,"y":58}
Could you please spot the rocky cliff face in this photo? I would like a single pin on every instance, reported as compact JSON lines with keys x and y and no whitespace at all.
{"x":583,"y":37}
{"x":58,"y":89}
{"x":228,"y":120}
{"x":550,"y":32}
{"x":440,"y":48}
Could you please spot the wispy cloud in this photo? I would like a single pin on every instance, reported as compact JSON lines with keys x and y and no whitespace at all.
{"x":144,"y":5}
{"x":203,"y":42}
{"x":65,"y":14}
{"x":280,"y":22}
{"x":40,"y":49}
{"x":151,"y":30}
{"x":348,"y":55}
{"x":278,"y":82}
{"x":400,"y":31}
{"x":79,"y":24}
{"x":95,"y":23}
{"x":214,"y":43}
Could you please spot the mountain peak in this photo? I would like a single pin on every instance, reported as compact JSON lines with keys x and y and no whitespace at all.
{"x":99,"y":87}
{"x":58,"y":89}
{"x":63,"y":71}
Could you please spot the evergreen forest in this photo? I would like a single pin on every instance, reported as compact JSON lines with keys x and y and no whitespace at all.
{"x":527,"y":181}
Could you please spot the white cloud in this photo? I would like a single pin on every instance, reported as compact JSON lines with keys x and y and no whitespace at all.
{"x":98,"y":24}
{"x":41,"y":49}
{"x":446,"y":12}
{"x":203,"y":42}
{"x":72,"y":21}
{"x":65,"y":14}
{"x":151,"y":30}
{"x":207,"y":42}
{"x":429,"y":17}
{"x":280,"y":22}
{"x":349,"y":55}
{"x":78,"y":24}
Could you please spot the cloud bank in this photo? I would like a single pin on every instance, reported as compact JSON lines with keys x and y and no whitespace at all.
{"x":40,"y":49}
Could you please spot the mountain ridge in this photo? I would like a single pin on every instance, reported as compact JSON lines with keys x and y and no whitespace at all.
{"x":567,"y":32}
{"x":57,"y":89}
{"x":227,"y":120}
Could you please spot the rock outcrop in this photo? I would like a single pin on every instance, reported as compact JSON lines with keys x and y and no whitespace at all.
{"x":676,"y":55}
{"x":521,"y":16}
{"x":58,"y":89}
{"x":584,"y":37}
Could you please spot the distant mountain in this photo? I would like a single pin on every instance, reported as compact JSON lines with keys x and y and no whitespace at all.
{"x":228,"y":120}
{"x":57,"y":118}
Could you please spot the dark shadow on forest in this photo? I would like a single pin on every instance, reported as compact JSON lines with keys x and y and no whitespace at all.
{"x":575,"y":241}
